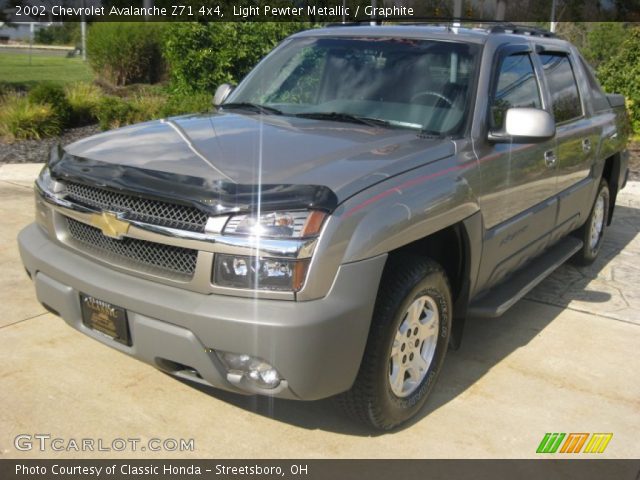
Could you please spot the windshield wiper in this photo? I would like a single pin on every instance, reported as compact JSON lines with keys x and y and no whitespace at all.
{"x":346,"y":117}
{"x":264,"y":109}
{"x":426,"y":133}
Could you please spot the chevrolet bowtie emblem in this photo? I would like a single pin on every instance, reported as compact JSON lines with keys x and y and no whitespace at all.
{"x":110,"y":224}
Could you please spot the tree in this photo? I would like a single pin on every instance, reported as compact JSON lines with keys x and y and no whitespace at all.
{"x":621,"y":74}
{"x":598,"y":41}
{"x":603,"y":40}
{"x":202,"y":56}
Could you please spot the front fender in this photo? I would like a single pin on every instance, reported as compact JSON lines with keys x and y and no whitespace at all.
{"x":391,"y":214}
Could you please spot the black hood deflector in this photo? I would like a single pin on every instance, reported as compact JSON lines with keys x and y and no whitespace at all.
{"x":216,"y":197}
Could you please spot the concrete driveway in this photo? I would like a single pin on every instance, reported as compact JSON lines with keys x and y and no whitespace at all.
{"x":565,"y":359}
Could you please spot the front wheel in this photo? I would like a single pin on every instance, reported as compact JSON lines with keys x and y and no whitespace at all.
{"x":592,"y":232}
{"x":406,"y":346}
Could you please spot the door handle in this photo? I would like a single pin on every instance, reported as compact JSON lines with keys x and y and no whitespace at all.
{"x":586,"y":145}
{"x":550,"y":158}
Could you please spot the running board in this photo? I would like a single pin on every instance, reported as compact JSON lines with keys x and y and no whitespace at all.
{"x":503,"y":296}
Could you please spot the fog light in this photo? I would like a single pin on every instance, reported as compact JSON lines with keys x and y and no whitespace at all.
{"x":254,"y":369}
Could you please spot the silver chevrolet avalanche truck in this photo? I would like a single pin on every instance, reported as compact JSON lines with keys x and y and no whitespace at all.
{"x":328,"y":228}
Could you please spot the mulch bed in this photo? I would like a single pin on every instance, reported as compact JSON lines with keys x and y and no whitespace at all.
{"x":35,"y":151}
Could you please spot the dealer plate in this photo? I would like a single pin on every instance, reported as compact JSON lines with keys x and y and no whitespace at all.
{"x":105,"y":318}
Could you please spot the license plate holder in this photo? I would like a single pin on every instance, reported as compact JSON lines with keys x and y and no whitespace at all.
{"x":105,"y":318}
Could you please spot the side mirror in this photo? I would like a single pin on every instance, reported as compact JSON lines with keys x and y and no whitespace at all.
{"x":525,"y":125}
{"x":222,"y":92}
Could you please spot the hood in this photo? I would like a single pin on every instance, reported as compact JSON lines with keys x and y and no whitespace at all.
{"x":230,"y":160}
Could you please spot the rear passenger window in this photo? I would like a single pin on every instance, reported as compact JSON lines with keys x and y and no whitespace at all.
{"x":598,"y":97}
{"x":516,"y":87}
{"x":562,"y":86}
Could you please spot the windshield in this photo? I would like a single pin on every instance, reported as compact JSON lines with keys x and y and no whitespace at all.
{"x":406,"y":83}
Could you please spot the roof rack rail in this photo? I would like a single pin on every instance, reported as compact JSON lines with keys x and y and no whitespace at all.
{"x":399,"y":21}
{"x":490,"y":26}
{"x":521,"y":30}
{"x":350,"y":23}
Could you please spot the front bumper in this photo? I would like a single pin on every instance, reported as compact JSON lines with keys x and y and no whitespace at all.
{"x":316,"y":346}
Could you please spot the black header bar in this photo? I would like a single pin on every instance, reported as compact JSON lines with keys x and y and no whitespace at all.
{"x":548,"y":469}
{"x":321,"y":11}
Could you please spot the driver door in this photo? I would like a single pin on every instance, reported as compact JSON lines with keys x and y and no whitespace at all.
{"x":519,"y":180}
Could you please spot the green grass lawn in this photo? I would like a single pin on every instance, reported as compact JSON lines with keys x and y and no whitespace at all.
{"x":15,"y":70}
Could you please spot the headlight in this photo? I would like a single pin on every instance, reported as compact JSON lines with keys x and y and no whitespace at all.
{"x":260,"y":273}
{"x":46,"y":183}
{"x":44,"y":180}
{"x":276,"y":224}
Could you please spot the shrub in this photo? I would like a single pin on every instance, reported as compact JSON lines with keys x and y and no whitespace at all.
{"x":53,"y":95}
{"x":180,"y":104}
{"x":621,"y":74}
{"x":21,"y":119}
{"x":603,"y":40}
{"x":126,"y":52}
{"x":83,"y":100}
{"x":147,"y":104}
{"x":146,"y":107}
{"x":64,"y":34}
{"x":113,"y":112}
{"x":201,"y":57}
{"x":7,"y":89}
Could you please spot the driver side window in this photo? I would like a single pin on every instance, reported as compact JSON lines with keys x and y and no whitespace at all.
{"x":516,"y":87}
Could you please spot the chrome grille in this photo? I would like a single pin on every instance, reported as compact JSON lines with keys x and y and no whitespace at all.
{"x":154,"y":257}
{"x":140,"y":209}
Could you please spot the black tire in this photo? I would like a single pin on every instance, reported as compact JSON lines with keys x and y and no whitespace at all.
{"x":589,"y":251}
{"x":372,"y":399}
